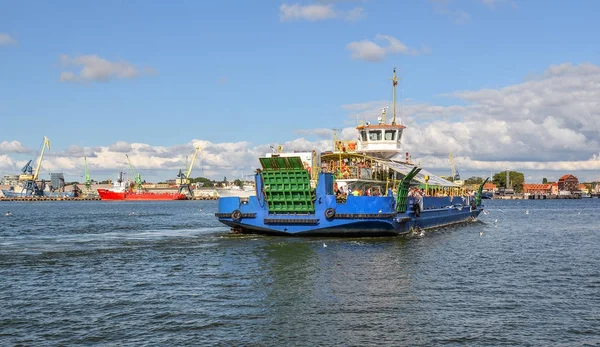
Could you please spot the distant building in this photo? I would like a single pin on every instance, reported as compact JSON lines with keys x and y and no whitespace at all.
{"x":10,"y":180}
{"x":490,"y":187}
{"x":568,"y":183}
{"x":554,"y":188}
{"x":537,"y":188}
{"x":57,"y":180}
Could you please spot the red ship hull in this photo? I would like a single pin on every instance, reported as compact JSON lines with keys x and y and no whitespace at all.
{"x":106,"y":194}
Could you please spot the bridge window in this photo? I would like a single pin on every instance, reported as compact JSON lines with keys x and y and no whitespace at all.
{"x":375,"y":135}
{"x":363,"y":135}
{"x":390,"y":135}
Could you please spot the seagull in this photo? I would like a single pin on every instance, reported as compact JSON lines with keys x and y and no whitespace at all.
{"x":131,"y":213}
{"x":481,"y":233}
{"x":380,"y":211}
{"x":200,"y":209}
{"x":495,"y":221}
{"x":8,"y":214}
{"x":526,"y":211}
{"x":324,"y":245}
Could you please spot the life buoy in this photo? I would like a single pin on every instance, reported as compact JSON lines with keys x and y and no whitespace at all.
{"x":329,"y":213}
{"x":417,"y":209}
{"x":236,"y":215}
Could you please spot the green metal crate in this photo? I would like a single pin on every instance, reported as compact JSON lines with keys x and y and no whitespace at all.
{"x":287,"y":185}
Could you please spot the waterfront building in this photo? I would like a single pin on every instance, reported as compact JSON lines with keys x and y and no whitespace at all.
{"x":10,"y":180}
{"x":537,"y":188}
{"x":57,"y":180}
{"x":568,"y":183}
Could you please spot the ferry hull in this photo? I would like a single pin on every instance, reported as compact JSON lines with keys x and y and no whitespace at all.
{"x":359,"y":216}
{"x":106,"y":194}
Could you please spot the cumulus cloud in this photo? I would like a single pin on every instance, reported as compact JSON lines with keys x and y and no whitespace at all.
{"x":493,"y":3}
{"x":546,"y":126}
{"x":120,"y":147}
{"x":458,"y":16}
{"x":97,"y":69}
{"x":549,"y":122}
{"x":6,"y":40}
{"x":13,"y":147}
{"x":368,"y":50}
{"x":7,"y":164}
{"x":317,"y":12}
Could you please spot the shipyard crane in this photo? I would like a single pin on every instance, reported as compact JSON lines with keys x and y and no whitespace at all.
{"x":455,"y":176}
{"x":88,"y":181}
{"x":30,"y":176}
{"x":183,"y":179}
{"x":136,"y":176}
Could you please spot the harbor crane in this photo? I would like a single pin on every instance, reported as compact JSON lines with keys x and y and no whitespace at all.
{"x":88,"y":181}
{"x":455,"y":176}
{"x":30,"y":176}
{"x":136,"y":176}
{"x":183,"y":179}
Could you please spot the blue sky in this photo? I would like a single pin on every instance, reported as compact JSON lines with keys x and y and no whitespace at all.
{"x":168,"y":74}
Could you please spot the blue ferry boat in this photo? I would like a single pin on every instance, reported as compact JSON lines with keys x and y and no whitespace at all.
{"x":361,"y":188}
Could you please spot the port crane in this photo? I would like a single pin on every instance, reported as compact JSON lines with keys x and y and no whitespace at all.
{"x":88,"y":180}
{"x":136,"y":176}
{"x":29,"y":176}
{"x":455,"y":176}
{"x":183,"y":179}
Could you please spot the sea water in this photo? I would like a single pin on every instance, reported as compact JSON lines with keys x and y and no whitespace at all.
{"x":169,"y":274}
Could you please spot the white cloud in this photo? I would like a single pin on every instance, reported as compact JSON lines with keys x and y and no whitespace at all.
{"x":493,"y":3}
{"x":370,"y":51}
{"x":317,"y":12}
{"x":8,"y":165}
{"x":97,"y":69}
{"x":13,"y":147}
{"x":120,"y":147}
{"x":546,"y":126}
{"x":6,"y":40}
{"x":458,"y":16}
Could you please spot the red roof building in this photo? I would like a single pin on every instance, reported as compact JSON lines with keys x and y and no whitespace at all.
{"x":568,"y":183}
{"x":554,"y":189}
{"x":489,"y":187}
{"x":537,"y":188}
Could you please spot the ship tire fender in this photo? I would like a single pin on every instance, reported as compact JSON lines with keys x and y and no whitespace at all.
{"x":329,"y":213}
{"x":236,"y":215}
{"x":417,"y":209}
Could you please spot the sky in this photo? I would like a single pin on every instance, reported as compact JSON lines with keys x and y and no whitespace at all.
{"x":500,"y":84}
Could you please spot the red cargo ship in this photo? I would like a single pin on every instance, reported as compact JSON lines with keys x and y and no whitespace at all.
{"x":107,"y":194}
{"x":121,"y":190}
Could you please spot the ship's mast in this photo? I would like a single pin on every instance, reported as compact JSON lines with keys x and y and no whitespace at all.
{"x":394,"y":83}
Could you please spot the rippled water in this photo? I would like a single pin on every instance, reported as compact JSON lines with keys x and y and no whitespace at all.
{"x":167,"y":273}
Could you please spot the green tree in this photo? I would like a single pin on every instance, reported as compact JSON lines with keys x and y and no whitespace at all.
{"x":544,"y":180}
{"x":205,"y":181}
{"x":474,"y":180}
{"x":516,"y":180}
{"x":239,"y":183}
